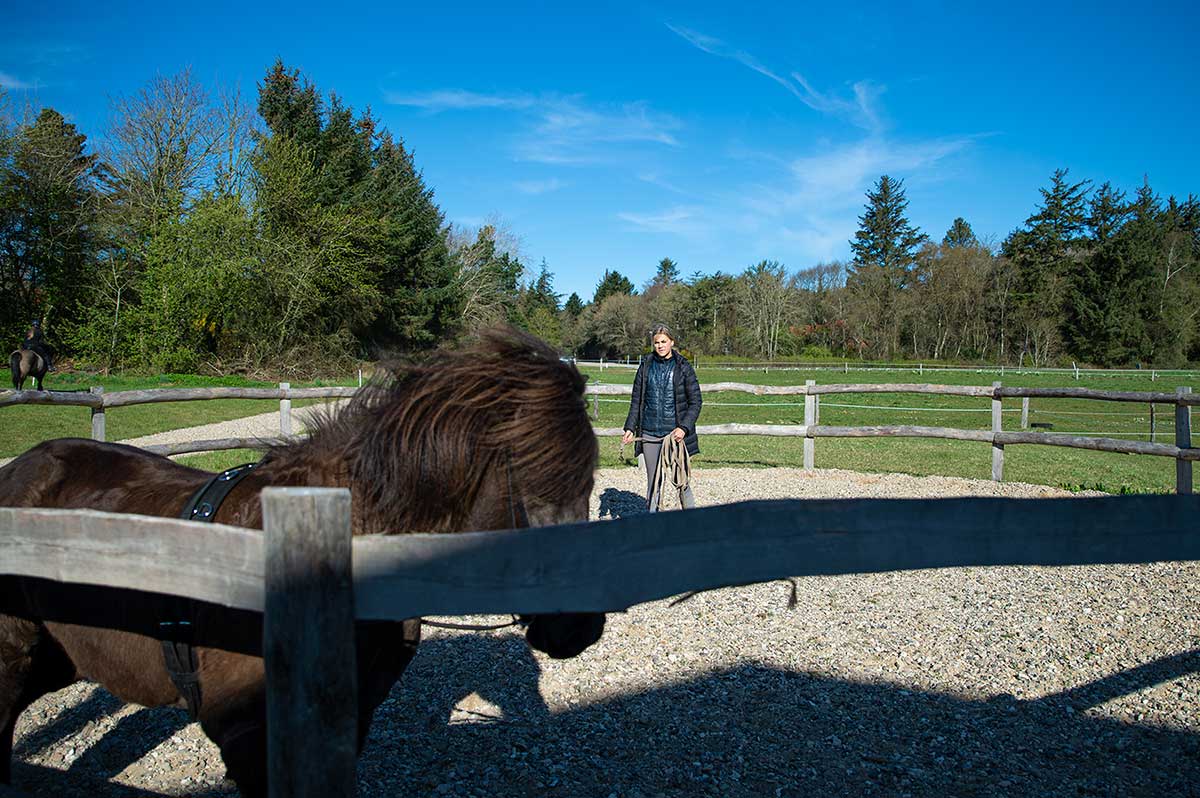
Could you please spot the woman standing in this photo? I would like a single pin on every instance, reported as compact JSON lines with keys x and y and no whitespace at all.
{"x":665,"y":402}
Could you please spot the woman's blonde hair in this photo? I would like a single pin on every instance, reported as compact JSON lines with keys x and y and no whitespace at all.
{"x":661,"y":329}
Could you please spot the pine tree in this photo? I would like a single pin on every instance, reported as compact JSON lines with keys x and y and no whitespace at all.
{"x":48,"y":200}
{"x":1094,"y":323}
{"x":884,"y":259}
{"x":885,"y":237}
{"x":573,"y":306}
{"x":1044,"y":254}
{"x":290,"y":105}
{"x":960,"y":235}
{"x":613,"y":282}
{"x":667,"y":274}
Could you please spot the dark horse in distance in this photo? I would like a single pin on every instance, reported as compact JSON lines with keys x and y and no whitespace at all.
{"x":25,"y":363}
{"x":471,"y":439}
{"x":31,"y":360}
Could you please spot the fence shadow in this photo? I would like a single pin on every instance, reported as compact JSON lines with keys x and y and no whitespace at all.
{"x":469,"y":716}
{"x":763,"y":731}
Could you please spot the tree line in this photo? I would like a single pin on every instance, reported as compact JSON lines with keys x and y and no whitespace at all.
{"x":295,"y":236}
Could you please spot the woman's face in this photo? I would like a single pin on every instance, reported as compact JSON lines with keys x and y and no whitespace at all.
{"x":662,"y":344}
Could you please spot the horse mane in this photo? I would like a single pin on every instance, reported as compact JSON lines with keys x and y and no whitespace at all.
{"x":416,"y":444}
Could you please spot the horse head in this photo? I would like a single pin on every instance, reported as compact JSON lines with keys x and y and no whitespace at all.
{"x":492,"y":436}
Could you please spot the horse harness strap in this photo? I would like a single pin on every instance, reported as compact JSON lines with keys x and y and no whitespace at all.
{"x":178,"y":654}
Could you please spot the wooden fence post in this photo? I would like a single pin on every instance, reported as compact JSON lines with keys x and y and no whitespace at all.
{"x":285,"y":411}
{"x":1152,"y":422}
{"x":97,"y":415}
{"x":997,"y":448}
{"x":810,"y":421}
{"x":1024,"y":412}
{"x":1183,"y":439}
{"x":595,"y":407}
{"x":308,"y":643}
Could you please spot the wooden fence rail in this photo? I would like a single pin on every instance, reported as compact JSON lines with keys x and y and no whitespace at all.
{"x":310,"y":578}
{"x":1182,"y":399}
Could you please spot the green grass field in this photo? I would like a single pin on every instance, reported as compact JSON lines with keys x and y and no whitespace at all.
{"x":22,"y":427}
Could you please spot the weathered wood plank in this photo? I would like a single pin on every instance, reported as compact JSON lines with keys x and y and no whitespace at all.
{"x":1183,"y":440}
{"x":1092,"y":393}
{"x":1096,"y":444}
{"x":997,"y":446}
{"x":153,"y":395}
{"x":775,"y":430}
{"x":136,"y":552}
{"x":98,"y":426}
{"x":215,"y":445}
{"x":64,"y":398}
{"x":308,"y":643}
{"x":614,"y":565}
{"x":810,"y":421}
{"x":946,"y":390}
{"x":285,"y":411}
{"x":902,"y":431}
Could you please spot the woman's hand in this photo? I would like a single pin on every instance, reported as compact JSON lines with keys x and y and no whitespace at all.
{"x":678,"y":433}
{"x":627,"y":437}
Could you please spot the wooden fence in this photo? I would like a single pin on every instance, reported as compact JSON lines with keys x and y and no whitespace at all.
{"x":309,"y":578}
{"x":1182,"y":400}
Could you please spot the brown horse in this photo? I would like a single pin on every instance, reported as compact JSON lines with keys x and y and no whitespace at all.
{"x":25,"y":363}
{"x":471,"y":439}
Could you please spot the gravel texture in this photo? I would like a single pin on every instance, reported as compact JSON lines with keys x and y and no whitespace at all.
{"x":1075,"y":681}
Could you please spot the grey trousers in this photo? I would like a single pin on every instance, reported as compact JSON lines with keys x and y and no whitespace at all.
{"x":650,"y":453}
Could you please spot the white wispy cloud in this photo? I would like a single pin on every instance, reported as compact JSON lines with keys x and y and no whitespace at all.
{"x":539,"y":186}
{"x":561,"y":129}
{"x":862,"y":109}
{"x":458,"y":100}
{"x":8,"y":81}
{"x":679,"y":220}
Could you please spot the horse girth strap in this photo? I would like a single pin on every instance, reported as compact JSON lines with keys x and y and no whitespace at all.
{"x":177,"y":635}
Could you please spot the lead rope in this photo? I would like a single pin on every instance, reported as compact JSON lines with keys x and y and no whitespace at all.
{"x":673,"y":459}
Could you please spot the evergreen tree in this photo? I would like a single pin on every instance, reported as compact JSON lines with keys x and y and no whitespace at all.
{"x":960,"y":235}
{"x":613,"y":282}
{"x":1044,"y":254}
{"x":290,"y":106}
{"x":884,"y":258}
{"x":407,"y":250}
{"x":573,"y":306}
{"x":343,"y":156}
{"x":885,"y":238}
{"x":1094,"y":324}
{"x":48,"y":204}
{"x":668,"y":272}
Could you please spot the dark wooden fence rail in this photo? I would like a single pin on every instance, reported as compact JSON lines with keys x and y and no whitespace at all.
{"x":1182,"y":400}
{"x":310,"y":578}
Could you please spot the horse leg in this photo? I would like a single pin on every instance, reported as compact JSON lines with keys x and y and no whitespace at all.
{"x":31,"y":665}
{"x":233,"y":714}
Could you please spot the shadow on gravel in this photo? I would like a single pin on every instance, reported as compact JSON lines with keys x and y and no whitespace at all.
{"x":759,"y":731}
{"x":616,"y":503}
{"x":468,"y":717}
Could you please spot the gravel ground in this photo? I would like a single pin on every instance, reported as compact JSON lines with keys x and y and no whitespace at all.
{"x":966,"y":682}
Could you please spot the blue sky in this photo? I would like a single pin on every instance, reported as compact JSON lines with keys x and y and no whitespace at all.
{"x":716,"y":134}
